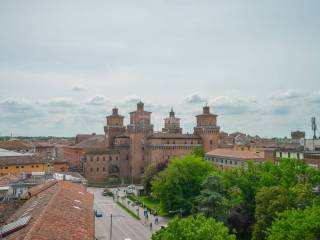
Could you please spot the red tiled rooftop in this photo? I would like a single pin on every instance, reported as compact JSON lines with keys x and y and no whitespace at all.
{"x":15,"y":145}
{"x":8,"y":178}
{"x":62,"y":210}
{"x":237,"y":154}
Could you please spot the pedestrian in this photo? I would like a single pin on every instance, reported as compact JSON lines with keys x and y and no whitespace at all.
{"x":156,"y":219}
{"x":150,"y":226}
{"x":145,"y":214}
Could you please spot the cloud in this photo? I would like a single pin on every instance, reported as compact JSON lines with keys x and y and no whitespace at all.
{"x":79,"y":88}
{"x":315,"y":97}
{"x":97,"y":100}
{"x":288,"y":95}
{"x":59,"y":102}
{"x":195,"y":98}
{"x":281,"y":110}
{"x":230,"y":106}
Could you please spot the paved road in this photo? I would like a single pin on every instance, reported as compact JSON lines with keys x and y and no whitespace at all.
{"x":123,"y":227}
{"x":162,"y":221}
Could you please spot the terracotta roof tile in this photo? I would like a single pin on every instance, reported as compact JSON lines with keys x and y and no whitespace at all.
{"x":56,"y":214}
{"x":237,"y":154}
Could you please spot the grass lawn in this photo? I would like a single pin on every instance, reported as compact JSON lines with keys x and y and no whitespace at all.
{"x":150,"y":203}
{"x":128,"y":211}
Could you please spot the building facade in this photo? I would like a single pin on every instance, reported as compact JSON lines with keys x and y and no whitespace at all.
{"x":126,"y":151}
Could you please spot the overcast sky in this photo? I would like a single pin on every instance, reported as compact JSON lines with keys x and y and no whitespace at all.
{"x":65,"y":64}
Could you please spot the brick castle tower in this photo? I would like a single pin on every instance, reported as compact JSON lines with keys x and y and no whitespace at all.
{"x":207,"y":129}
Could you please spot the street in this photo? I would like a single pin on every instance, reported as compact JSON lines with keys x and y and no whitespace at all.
{"x":125,"y":227}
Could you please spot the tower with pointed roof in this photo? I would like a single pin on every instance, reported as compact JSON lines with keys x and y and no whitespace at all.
{"x":114,"y":126}
{"x":207,"y":129}
{"x":139,"y":128}
{"x":172,"y":124}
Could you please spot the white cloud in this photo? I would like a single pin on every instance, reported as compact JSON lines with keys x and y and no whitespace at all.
{"x":229,"y":105}
{"x":59,"y":102}
{"x":97,"y":100}
{"x":195,"y":98}
{"x":289,"y":95}
{"x":79,"y":88}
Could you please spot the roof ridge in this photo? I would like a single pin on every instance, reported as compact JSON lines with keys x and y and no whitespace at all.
{"x":38,"y":221}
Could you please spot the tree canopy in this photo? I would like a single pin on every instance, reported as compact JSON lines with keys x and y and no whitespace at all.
{"x":177,"y":186}
{"x":296,"y":224}
{"x":194,"y":228}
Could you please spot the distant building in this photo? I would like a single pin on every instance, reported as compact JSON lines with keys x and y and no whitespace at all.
{"x":312,"y":158}
{"x":312,"y":144}
{"x":17,"y":146}
{"x":297,"y":135}
{"x":13,"y":162}
{"x":45,"y":149}
{"x":230,"y":158}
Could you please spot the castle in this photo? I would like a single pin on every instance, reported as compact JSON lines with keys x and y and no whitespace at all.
{"x":126,"y":151}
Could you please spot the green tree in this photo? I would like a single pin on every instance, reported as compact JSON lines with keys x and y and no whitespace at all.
{"x":213,"y":201}
{"x":194,"y":228}
{"x":296,"y":224}
{"x":177,"y":186}
{"x":198,"y":151}
{"x":269,"y":201}
{"x":147,"y":177}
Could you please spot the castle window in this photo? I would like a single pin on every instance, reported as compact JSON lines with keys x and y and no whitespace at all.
{"x":22,"y":166}
{"x":17,"y":166}
{"x":174,"y":142}
{"x":127,"y":157}
{"x":97,"y":159}
{"x":210,"y":142}
{"x":6,"y":167}
{"x":191,"y":142}
{"x":110,"y":158}
{"x":142,"y":157}
{"x":32,"y":166}
{"x":117,"y":158}
{"x":91,"y":159}
{"x":103,"y":169}
{"x":103,"y":159}
{"x":142,"y":170}
{"x":288,"y":155}
{"x":185,"y":142}
{"x":97,"y":169}
{"x":168,"y":142}
{"x":91,"y":169}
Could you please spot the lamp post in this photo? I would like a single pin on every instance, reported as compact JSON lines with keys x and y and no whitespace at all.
{"x":112,"y":216}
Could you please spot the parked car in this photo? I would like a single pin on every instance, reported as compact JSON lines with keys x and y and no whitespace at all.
{"x":98,"y":213}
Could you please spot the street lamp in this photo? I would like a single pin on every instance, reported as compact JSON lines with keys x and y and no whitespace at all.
{"x":177,"y":211}
{"x":112,"y":216}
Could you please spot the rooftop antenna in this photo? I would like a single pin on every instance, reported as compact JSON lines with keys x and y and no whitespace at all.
{"x":314,"y":127}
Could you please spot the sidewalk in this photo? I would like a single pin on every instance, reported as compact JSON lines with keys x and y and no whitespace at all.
{"x":122,"y":198}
